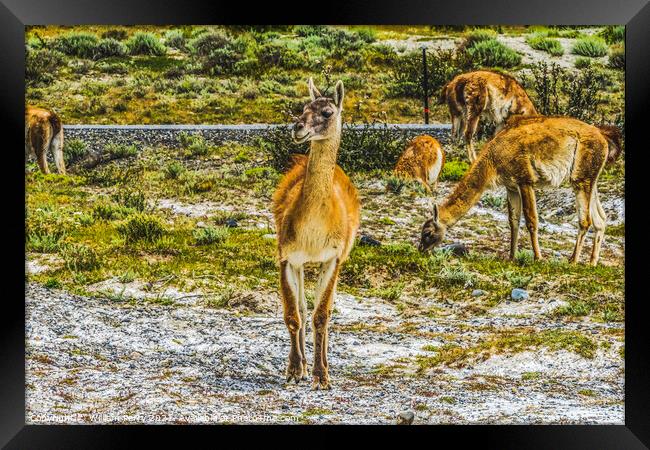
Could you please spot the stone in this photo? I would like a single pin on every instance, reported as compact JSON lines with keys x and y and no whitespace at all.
{"x":518,"y":294}
{"x":405,"y":418}
{"x":231,"y":223}
{"x":455,"y":249}
{"x":478,"y":292}
{"x":368,"y":240}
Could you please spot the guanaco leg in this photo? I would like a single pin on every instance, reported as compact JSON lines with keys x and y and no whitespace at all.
{"x":598,"y":219}
{"x":325,"y":292}
{"x":514,"y":218}
{"x":529,"y":206}
{"x":290,"y":290}
{"x":583,"y":199}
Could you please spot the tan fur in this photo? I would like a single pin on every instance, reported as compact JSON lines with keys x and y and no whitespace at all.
{"x":422,"y":160}
{"x":534,"y":152}
{"x":43,"y":132}
{"x":316,"y":211}
{"x":483,"y":93}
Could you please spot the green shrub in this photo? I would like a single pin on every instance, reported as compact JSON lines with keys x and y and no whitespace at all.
{"x":81,"y":45}
{"x":545,"y":44}
{"x":395,"y":184}
{"x":492,"y":201}
{"x":475,"y":36}
{"x":368,"y":148}
{"x":193,"y":144}
{"x":220,"y":54}
{"x":613,"y":34}
{"x":617,"y":56}
{"x":117,"y":151}
{"x":562,"y":31}
{"x":112,"y":67}
{"x":174,"y":170}
{"x":108,"y":211}
{"x":140,"y":85}
{"x":42,"y":65}
{"x":442,"y":65}
{"x":45,"y":228}
{"x":367,"y":35}
{"x":590,"y":46}
{"x":43,"y":243}
{"x":276,"y":54}
{"x":210,"y":235}
{"x":492,"y":53}
{"x":456,"y":275}
{"x":74,"y":150}
{"x":518,"y":280}
{"x":141,"y":228}
{"x":524,"y":258}
{"x":582,"y":63}
{"x":175,"y":39}
{"x":204,"y":43}
{"x":112,"y":174}
{"x":52,"y":283}
{"x":131,"y":198}
{"x":454,"y":170}
{"x":142,"y":43}
{"x":79,"y":257}
{"x":107,"y":48}
{"x":563,"y":92}
{"x":118,"y":35}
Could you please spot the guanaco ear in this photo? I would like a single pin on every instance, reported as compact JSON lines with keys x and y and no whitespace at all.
{"x":435,"y":213}
{"x":313,"y":92}
{"x":338,"y":94}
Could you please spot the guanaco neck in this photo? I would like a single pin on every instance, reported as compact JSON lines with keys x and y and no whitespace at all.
{"x":468,"y":191}
{"x":319,"y":177}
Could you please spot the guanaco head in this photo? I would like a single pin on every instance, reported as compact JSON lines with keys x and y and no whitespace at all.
{"x":433,"y":232}
{"x":321,"y":117}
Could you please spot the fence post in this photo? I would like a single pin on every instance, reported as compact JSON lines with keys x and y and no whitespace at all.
{"x":425,"y":85}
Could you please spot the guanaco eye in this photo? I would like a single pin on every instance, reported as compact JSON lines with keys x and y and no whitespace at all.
{"x":327,"y":113}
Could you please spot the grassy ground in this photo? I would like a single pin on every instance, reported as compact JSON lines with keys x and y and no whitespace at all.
{"x":144,"y":240}
{"x":269,"y":85}
{"x":97,"y":226}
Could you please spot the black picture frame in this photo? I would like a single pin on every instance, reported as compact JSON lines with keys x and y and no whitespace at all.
{"x":635,"y":14}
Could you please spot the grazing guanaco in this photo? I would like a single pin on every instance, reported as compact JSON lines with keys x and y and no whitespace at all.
{"x":422,"y":160}
{"x":316,"y":211}
{"x":534,"y":152}
{"x":43,"y":132}
{"x":483,"y":93}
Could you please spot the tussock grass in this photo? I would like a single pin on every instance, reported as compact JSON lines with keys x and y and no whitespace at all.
{"x":509,"y":341}
{"x":590,"y":46}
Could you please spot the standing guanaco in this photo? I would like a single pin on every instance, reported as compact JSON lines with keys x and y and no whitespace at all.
{"x":422,"y":160}
{"x":491,"y":94}
{"x":43,"y":132}
{"x":316,"y":210}
{"x":534,"y":152}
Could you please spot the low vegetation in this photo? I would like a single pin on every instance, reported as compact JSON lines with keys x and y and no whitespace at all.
{"x":592,"y":47}
{"x":546,"y":44}
{"x":215,"y":74}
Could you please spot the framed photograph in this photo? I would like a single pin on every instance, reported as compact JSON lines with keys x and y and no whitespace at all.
{"x":388,"y":214}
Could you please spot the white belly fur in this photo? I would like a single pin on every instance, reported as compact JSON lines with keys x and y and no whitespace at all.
{"x":434,"y":170}
{"x":299,"y":258}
